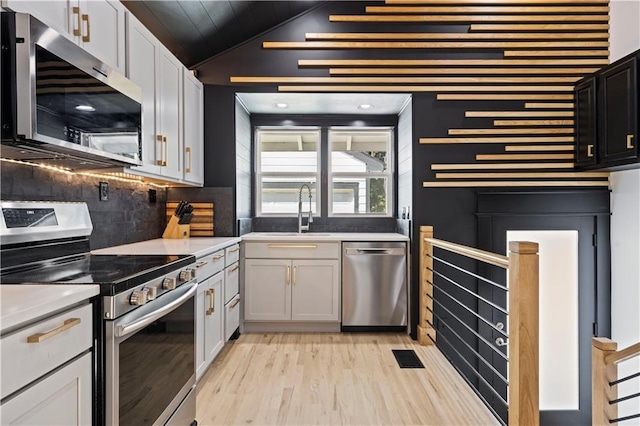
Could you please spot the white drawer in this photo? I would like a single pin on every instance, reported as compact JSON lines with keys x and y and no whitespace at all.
{"x":231,"y":317}
{"x":231,"y":280}
{"x":61,"y":338}
{"x":209,"y":265}
{"x":232,"y":254}
{"x":292,"y":250}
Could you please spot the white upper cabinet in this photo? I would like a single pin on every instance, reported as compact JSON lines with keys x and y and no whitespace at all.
{"x":152,"y":67}
{"x":95,"y":25}
{"x":193,"y":129}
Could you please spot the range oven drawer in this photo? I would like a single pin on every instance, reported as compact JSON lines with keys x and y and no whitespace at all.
{"x":231,"y":281}
{"x":231,"y":317}
{"x":209,"y":265}
{"x":37,"y":349}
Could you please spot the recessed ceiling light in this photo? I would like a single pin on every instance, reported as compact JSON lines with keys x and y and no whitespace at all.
{"x":85,"y":108}
{"x":365,"y":106}
{"x":281,"y":105}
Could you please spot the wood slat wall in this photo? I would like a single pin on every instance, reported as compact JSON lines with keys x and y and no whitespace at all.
{"x":545,"y":46}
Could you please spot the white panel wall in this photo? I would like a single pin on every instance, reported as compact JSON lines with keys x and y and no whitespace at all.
{"x":625,"y":219}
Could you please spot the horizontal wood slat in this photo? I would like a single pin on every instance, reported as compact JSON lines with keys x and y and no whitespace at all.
{"x":518,"y":114}
{"x":532,"y":53}
{"x":533,"y":157}
{"x":527,"y":139}
{"x":533,"y":122}
{"x":455,"y":36}
{"x":501,"y":97}
{"x":487,"y":9}
{"x":493,"y":71}
{"x":405,"y":80}
{"x":539,"y":27}
{"x":468,"y":18}
{"x":502,"y":166}
{"x":552,"y":130}
{"x":523,"y":175}
{"x":437,"y":45}
{"x":457,"y":2}
{"x":445,"y":62}
{"x":541,"y":183}
{"x":521,"y":148}
{"x":403,"y":89}
{"x":547,"y":105}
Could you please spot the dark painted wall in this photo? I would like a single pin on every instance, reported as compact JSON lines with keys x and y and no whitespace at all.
{"x":127,"y":217}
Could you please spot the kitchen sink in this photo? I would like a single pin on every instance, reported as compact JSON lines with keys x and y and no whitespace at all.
{"x":292,"y":234}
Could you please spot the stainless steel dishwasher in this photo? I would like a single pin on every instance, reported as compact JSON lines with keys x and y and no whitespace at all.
{"x":374,"y":286}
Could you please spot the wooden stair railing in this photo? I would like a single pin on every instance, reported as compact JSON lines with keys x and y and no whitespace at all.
{"x":604,"y":380}
{"x":522,"y":265}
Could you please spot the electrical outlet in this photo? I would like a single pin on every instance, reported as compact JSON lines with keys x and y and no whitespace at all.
{"x":153,"y":196}
{"x":103,"y":191}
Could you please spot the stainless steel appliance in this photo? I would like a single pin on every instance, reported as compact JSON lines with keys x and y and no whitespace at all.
{"x":145,"y":343}
{"x":61,"y":105}
{"x":374,"y":286}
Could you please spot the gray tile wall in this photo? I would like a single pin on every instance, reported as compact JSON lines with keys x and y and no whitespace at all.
{"x":243,"y":161}
{"x":127,"y":217}
{"x":405,"y":168}
{"x":222,"y":199}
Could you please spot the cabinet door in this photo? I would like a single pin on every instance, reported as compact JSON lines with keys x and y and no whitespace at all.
{"x":63,"y":398}
{"x":103,"y":31}
{"x":585,"y":116}
{"x":315,"y":294}
{"x":58,"y":14}
{"x":201,"y":309}
{"x":213,"y":327}
{"x":193,"y":129}
{"x":170,"y":113}
{"x":142,"y":68}
{"x":618,"y":110}
{"x":267,"y":289}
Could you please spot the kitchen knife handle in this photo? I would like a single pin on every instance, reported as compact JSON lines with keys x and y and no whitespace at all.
{"x":77,"y":31}
{"x":188,"y":150}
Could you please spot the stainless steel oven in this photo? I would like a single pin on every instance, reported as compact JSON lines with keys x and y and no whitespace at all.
{"x":150,"y":361}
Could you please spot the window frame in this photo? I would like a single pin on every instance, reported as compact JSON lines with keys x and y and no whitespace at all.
{"x":259,"y":174}
{"x":389,"y":174}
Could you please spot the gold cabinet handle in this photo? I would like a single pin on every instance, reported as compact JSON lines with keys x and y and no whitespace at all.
{"x":77,"y":31}
{"x":292,"y":246}
{"x":234,"y":249}
{"x":235,"y":303}
{"x":165,"y":156}
{"x":288,"y":275}
{"x":589,"y":150}
{"x":218,"y":257}
{"x":40,"y":337}
{"x":188,"y":151}
{"x":235,"y":268}
{"x":201,"y":264}
{"x":163,"y":141}
{"x":212,"y":302}
{"x":295,"y":275}
{"x":87,"y":38}
{"x":629,"y":143}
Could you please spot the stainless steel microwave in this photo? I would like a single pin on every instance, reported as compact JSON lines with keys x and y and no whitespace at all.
{"x":61,"y":105}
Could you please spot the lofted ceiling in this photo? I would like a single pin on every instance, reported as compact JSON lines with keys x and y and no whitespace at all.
{"x":196,"y":30}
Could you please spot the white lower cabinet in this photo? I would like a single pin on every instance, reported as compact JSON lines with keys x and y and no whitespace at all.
{"x":63,"y":398}
{"x":292,"y":289}
{"x":209,"y":323}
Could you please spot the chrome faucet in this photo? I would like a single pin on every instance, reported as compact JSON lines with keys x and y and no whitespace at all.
{"x":302,"y":227}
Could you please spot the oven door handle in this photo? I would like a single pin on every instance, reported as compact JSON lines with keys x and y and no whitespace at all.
{"x":144,"y":320}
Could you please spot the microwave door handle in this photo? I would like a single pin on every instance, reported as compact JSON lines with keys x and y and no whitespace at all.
{"x":142,"y":321}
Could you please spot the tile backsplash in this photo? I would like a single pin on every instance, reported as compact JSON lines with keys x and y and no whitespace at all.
{"x":326,"y":224}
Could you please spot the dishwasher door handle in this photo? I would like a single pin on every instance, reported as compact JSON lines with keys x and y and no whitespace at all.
{"x":365,"y":251}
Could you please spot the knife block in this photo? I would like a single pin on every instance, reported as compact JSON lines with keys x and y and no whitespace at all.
{"x":176,"y":231}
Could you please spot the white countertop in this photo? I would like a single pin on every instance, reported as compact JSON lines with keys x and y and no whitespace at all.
{"x":23,"y":303}
{"x":198,"y":246}
{"x":324,"y":236}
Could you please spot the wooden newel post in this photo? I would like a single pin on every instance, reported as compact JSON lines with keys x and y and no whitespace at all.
{"x":426,"y":289}
{"x":601,"y":375}
{"x":523,"y":334}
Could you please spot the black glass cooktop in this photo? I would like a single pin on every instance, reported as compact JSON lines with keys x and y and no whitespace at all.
{"x":113,"y":273}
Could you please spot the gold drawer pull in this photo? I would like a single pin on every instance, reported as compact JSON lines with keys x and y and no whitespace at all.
{"x":629,"y":143}
{"x":589,"y":150}
{"x":235,"y":268}
{"x":293,"y":246}
{"x":212,"y":303}
{"x":40,"y":337}
{"x":235,"y":304}
{"x":163,"y":141}
{"x":218,"y":257}
{"x":295,"y":275}
{"x":87,"y":38}
{"x":234,"y":249}
{"x":77,"y":31}
{"x":201,"y":264}
{"x":188,"y":150}
{"x":288,"y":275}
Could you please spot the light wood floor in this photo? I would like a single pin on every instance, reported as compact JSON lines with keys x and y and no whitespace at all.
{"x":333,"y":379}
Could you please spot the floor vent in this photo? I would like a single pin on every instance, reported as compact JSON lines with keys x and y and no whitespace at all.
{"x":407,"y":358}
